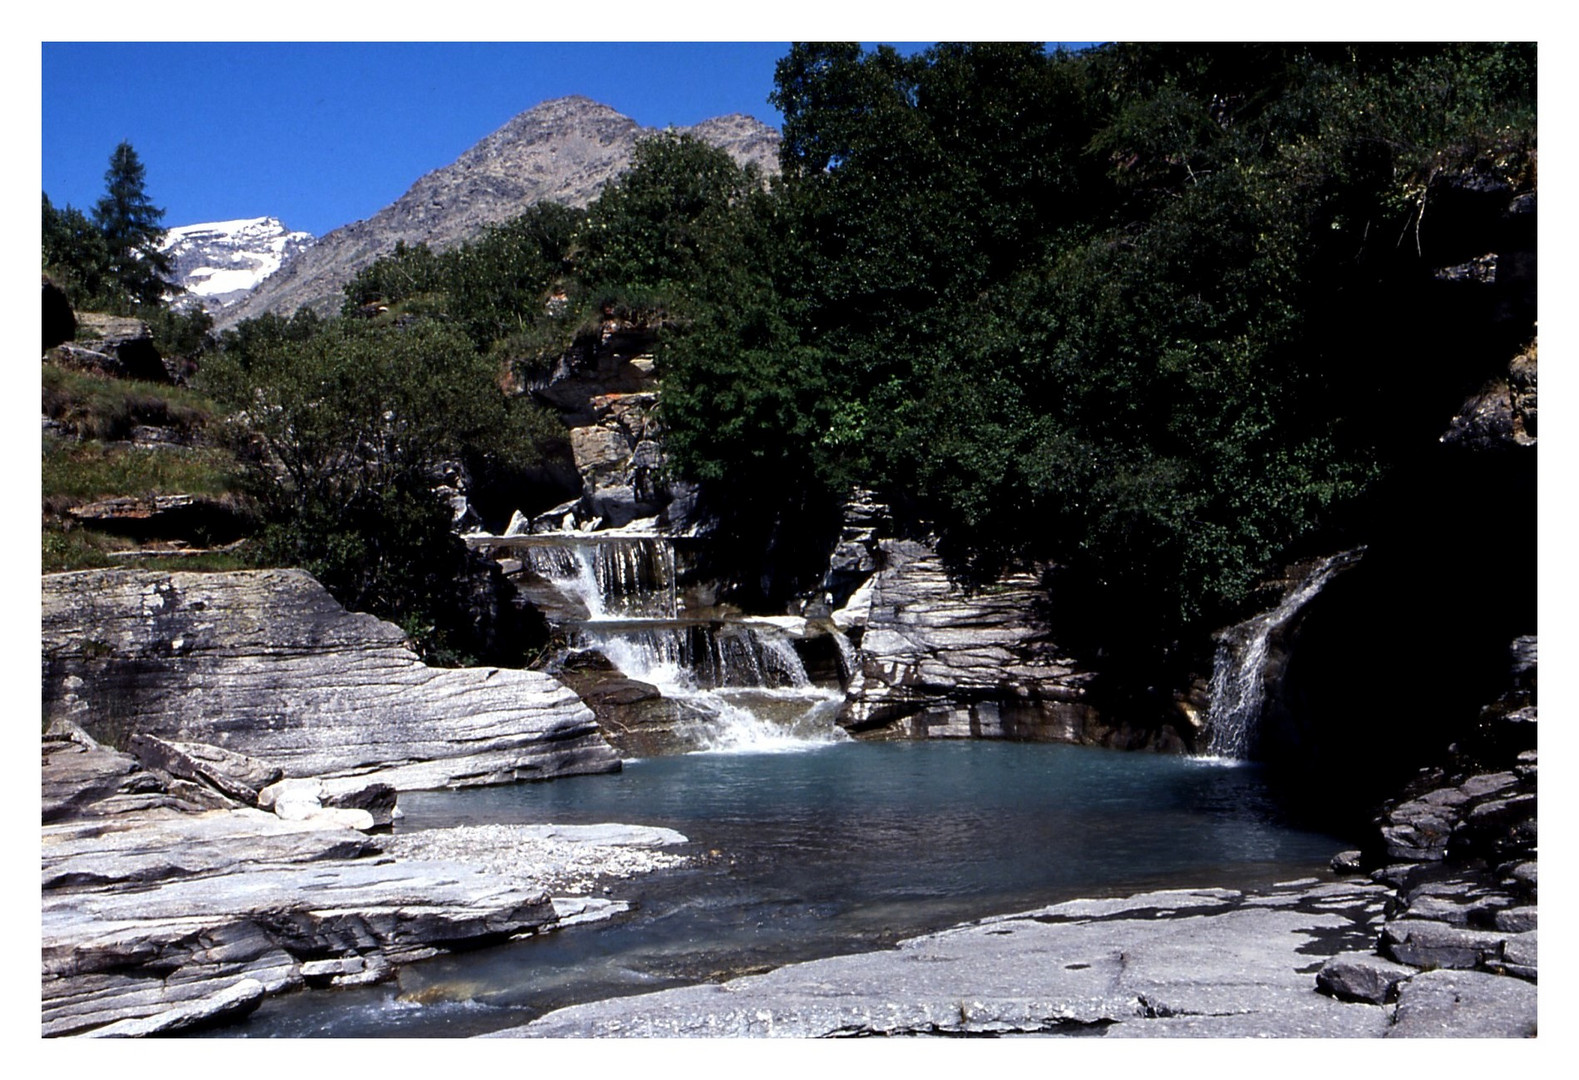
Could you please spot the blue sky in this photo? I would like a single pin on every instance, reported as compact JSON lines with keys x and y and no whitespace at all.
{"x":321,"y":134}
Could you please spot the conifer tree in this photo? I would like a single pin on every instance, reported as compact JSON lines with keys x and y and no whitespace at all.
{"x":129,"y":222}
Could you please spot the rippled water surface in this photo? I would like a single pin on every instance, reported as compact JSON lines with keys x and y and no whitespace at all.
{"x":836,"y":848}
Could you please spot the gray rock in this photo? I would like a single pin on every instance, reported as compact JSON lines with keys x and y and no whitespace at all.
{"x":1519,"y":954}
{"x":938,"y":661}
{"x":1204,"y":962}
{"x":82,"y":779}
{"x":136,"y":850}
{"x":236,"y":775}
{"x":1426,"y":943}
{"x":215,"y":901}
{"x":1465,"y":1004}
{"x":231,"y":1003}
{"x":266,"y":664}
{"x":1517,"y":920}
{"x":1362,"y":977}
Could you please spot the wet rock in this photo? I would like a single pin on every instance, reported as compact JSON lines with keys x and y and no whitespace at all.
{"x":1465,"y":1004}
{"x":1348,"y":862}
{"x":267,"y":664}
{"x":1362,"y":977}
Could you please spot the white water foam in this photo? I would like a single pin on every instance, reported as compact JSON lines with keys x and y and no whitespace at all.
{"x":1238,"y":685}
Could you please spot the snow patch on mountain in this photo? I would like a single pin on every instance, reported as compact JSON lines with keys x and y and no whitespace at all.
{"x":220,"y":262}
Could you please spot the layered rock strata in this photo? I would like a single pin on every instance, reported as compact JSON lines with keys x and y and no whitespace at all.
{"x":1458,"y":847}
{"x":266,"y":663}
{"x":162,"y":915}
{"x":937,"y":660}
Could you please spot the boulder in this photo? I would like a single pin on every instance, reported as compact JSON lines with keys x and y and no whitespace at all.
{"x":351,"y":802}
{"x":113,"y":345}
{"x":267,"y":664}
{"x":235,"y":775}
{"x":1362,"y":977}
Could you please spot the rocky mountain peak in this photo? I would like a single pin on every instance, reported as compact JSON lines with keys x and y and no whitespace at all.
{"x":563,"y":150}
{"x":217,"y":263}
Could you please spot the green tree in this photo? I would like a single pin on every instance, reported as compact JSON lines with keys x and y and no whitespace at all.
{"x":129,"y":223}
{"x":75,"y":254}
{"x":348,"y":429}
{"x":1092,"y":309}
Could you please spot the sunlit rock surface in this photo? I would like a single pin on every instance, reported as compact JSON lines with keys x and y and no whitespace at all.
{"x":266,"y":663}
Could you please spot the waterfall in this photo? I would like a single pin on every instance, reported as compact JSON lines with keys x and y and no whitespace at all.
{"x":740,"y":676}
{"x":1240,"y":669}
{"x":614,"y":576}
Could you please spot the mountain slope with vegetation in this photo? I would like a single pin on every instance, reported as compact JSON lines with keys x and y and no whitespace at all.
{"x":1151,"y":318}
{"x":561,"y":151}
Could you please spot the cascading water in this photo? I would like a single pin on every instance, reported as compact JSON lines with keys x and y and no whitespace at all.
{"x":740,"y":677}
{"x":1240,"y":664}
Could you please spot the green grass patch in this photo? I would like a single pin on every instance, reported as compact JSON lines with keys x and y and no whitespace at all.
{"x":70,"y":547}
{"x":102,"y":408}
{"x":95,"y":470}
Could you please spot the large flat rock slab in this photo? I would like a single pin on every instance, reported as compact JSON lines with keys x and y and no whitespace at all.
{"x":267,"y":664}
{"x":150,"y":921}
{"x":1194,"y":963}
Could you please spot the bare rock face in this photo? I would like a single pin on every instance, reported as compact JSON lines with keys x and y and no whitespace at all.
{"x":155,"y":923}
{"x":267,"y":664}
{"x":937,"y":661}
{"x":112,"y":345}
{"x":562,"y":151}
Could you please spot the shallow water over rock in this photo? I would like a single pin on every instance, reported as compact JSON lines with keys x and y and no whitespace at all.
{"x":835,"y":849}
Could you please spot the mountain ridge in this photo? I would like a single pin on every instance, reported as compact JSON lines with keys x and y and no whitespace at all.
{"x":217,"y":263}
{"x":563,"y":150}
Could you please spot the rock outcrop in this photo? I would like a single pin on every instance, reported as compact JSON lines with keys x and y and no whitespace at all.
{"x":59,"y":321}
{"x":937,"y":660}
{"x":111,"y":345}
{"x":267,"y":664}
{"x":167,"y":906}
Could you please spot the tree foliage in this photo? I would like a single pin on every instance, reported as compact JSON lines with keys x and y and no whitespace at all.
{"x":111,"y":260}
{"x":1115,"y":312}
{"x":1080,"y":308}
{"x":129,"y":223}
{"x":350,"y":428}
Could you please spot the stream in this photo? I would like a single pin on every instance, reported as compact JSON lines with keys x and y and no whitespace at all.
{"x":829,"y":849}
{"x":803,"y":843}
